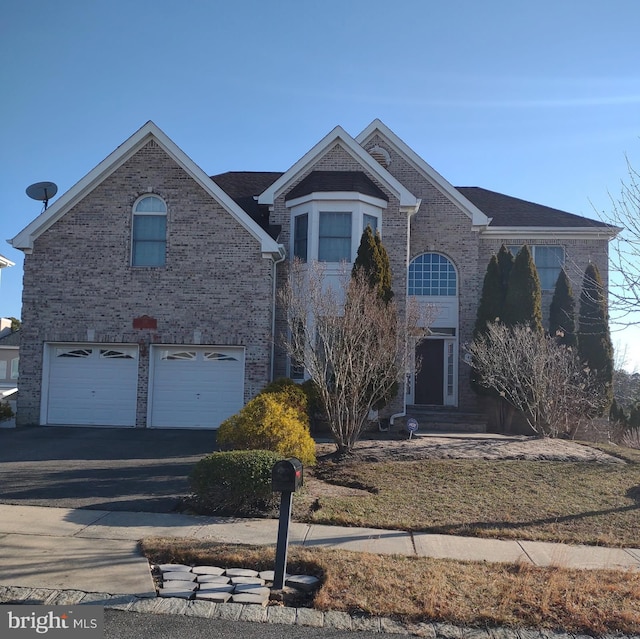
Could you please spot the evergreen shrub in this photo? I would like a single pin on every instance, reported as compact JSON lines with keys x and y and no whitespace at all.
{"x":236,"y":482}
{"x":5,"y":411}
{"x":268,"y":422}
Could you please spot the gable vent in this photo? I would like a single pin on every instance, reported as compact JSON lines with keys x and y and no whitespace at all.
{"x":380,"y":155}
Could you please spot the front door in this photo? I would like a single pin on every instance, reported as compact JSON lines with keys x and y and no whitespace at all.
{"x":429,"y":381}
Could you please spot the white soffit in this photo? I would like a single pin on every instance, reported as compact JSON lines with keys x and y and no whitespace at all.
{"x":477,"y":217}
{"x":339,"y":136}
{"x":24,"y":240}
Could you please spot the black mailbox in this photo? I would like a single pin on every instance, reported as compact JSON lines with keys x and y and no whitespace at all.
{"x":287,"y":475}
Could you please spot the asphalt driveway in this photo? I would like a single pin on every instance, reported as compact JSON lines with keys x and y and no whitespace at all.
{"x":100,"y":468}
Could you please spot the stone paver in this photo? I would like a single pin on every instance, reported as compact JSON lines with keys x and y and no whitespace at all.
{"x":308,"y":583}
{"x":173,"y":607}
{"x":281,"y":614}
{"x":200,"y":608}
{"x":219,"y":596}
{"x":212,"y":571}
{"x":240,"y":573}
{"x":310,"y":617}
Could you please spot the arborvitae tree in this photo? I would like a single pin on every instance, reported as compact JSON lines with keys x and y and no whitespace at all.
{"x":562,"y":321}
{"x":490,"y":309}
{"x":385,"y":291}
{"x":373,"y":259}
{"x":492,"y":298}
{"x":523,"y":303}
{"x":505,"y":262}
{"x":494,"y":289}
{"x":594,"y":340}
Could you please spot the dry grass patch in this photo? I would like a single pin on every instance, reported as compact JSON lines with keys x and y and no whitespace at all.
{"x":419,"y":589}
{"x":572,"y":502}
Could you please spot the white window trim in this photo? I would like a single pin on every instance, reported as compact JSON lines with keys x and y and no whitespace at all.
{"x":532,"y":249}
{"x":135,"y":213}
{"x":313,"y":204}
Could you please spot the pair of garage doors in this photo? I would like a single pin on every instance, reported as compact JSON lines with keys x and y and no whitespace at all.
{"x":97,"y":384}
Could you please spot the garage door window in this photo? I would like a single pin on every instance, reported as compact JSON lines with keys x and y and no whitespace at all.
{"x":180,"y":355}
{"x":111,"y":354}
{"x":76,"y":352}
{"x":219,"y":357}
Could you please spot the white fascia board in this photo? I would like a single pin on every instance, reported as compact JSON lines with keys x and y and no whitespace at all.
{"x":477,"y":217}
{"x":25,"y":239}
{"x":4,"y":261}
{"x":339,"y":136}
{"x":551,"y":232}
{"x":338,"y":196}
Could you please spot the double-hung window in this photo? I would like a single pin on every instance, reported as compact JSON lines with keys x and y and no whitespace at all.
{"x":301,"y":236}
{"x":334,"y":236}
{"x":149,"y":236}
{"x":549,"y":261}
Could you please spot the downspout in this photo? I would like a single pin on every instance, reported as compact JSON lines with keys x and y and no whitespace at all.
{"x":411,"y":212}
{"x":277,"y":261}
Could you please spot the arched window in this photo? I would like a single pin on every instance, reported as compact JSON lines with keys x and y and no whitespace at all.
{"x":149,"y":237}
{"x":432,"y":274}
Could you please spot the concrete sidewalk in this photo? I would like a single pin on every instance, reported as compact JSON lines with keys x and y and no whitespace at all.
{"x":97,"y":551}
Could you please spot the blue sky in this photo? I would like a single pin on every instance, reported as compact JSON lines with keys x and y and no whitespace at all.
{"x":539,"y":100}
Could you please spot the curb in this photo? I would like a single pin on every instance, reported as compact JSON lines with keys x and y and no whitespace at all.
{"x":275,"y":614}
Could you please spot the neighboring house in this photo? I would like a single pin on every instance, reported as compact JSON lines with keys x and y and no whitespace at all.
{"x":9,"y":362}
{"x":150,"y":288}
{"x":4,"y":262}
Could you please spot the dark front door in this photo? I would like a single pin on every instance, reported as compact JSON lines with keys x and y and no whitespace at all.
{"x":430,"y":377}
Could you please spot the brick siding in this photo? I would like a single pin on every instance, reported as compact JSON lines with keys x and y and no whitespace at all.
{"x":79,"y":278}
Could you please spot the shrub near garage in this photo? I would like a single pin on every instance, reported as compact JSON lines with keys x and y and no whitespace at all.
{"x":236,"y":482}
{"x":268,"y":422}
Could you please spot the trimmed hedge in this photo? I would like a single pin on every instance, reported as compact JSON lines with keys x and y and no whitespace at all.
{"x":236,"y":482}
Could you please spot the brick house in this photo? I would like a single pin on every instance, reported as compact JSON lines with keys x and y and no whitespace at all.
{"x":149,"y":287}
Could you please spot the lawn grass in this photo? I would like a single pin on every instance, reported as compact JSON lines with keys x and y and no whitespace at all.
{"x":418,"y":589}
{"x":585,"y":502}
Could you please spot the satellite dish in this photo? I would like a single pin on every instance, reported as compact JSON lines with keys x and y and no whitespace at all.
{"x":42,"y":191}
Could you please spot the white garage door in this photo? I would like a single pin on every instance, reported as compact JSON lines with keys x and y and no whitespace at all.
{"x":92,"y":384}
{"x":195,"y":386}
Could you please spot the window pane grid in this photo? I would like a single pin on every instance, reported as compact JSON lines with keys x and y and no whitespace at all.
{"x":432,"y":274}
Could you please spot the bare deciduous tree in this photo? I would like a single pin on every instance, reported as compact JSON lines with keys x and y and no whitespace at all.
{"x":624,"y":254}
{"x":537,"y":376}
{"x":353,"y":344}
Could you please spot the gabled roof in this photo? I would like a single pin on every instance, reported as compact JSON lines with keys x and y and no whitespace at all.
{"x":4,"y":261}
{"x":244,"y":187}
{"x":25,"y":239}
{"x":477,"y":217}
{"x":339,"y":136}
{"x":11,"y":339}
